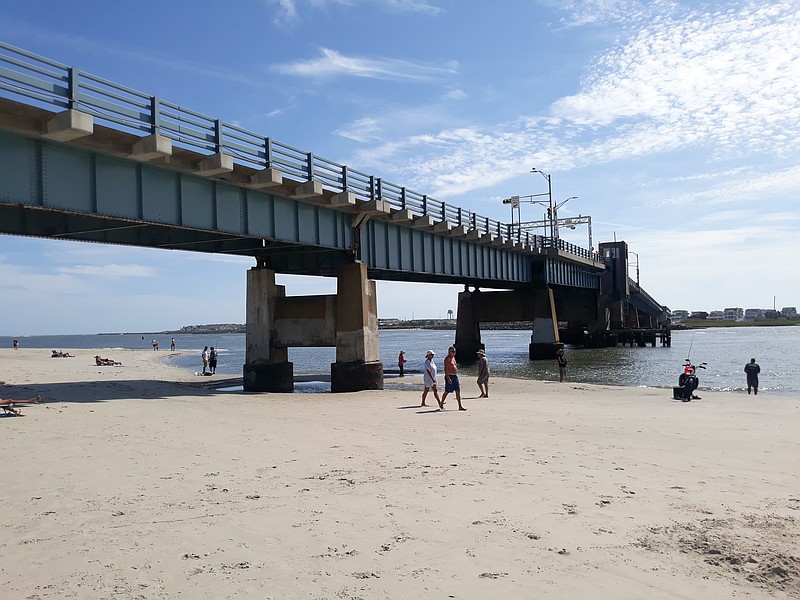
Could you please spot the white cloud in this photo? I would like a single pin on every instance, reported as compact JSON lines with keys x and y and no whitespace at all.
{"x":593,"y":12}
{"x":288,"y":11}
{"x":726,"y":83}
{"x":110,"y":271}
{"x":361,"y":130}
{"x":332,"y":63}
{"x":726,"y":77}
{"x":455,"y":94}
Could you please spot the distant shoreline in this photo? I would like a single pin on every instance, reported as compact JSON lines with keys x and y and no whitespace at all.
{"x":448,"y":325}
{"x":699,"y":324}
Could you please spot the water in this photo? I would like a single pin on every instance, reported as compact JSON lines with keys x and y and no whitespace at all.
{"x":725,"y":349}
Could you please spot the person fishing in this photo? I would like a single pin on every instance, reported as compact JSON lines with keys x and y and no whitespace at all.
{"x":752,"y":370}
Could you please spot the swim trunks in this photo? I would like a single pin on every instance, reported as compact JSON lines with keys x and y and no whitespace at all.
{"x":451,"y":383}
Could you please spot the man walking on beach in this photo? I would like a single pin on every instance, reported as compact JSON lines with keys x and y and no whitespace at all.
{"x":401,"y":361}
{"x":429,"y":379}
{"x":562,"y":364}
{"x":483,"y":374}
{"x":451,"y":383}
{"x":752,"y":369}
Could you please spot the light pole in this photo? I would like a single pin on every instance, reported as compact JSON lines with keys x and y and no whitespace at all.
{"x":515,"y":202}
{"x":555,"y":214}
{"x":637,"y":265}
{"x":550,"y":212}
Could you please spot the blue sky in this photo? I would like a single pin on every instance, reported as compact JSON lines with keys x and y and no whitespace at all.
{"x":674,"y":123}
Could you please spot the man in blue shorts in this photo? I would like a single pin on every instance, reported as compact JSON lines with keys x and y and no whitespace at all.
{"x":451,"y":377}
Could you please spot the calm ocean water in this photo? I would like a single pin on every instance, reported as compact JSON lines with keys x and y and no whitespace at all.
{"x":726,"y":350}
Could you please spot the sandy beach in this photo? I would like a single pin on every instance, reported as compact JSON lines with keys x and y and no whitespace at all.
{"x":143,"y":481}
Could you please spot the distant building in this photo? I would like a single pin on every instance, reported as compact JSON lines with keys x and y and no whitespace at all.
{"x":679,"y":315}
{"x":771,"y":314}
{"x":716,"y":315}
{"x":751,"y":314}
{"x":790,"y":312}
{"x":733,"y":314}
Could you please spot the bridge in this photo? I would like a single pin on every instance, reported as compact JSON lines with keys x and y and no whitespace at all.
{"x":83,"y":158}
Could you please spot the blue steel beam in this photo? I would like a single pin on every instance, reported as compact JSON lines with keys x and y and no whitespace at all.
{"x":56,"y":190}
{"x":166,"y":201}
{"x":42,"y":82}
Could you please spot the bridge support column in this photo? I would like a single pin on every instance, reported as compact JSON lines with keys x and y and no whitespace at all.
{"x":616,"y":318}
{"x":633,"y":318}
{"x":544,"y":339}
{"x":358,"y":363}
{"x":468,"y":329}
{"x":266,"y":368}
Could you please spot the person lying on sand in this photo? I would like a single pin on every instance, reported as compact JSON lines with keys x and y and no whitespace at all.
{"x":8,"y":405}
{"x":105,"y":362}
{"x":59,"y":354}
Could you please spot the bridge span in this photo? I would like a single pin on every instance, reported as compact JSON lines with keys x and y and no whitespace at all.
{"x":83,"y":158}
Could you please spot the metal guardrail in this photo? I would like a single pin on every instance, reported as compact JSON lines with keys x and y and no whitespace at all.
{"x":47,"y":83}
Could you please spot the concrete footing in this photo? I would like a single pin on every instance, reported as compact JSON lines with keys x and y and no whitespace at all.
{"x":356,"y":376}
{"x":466,"y":352}
{"x":269,"y":377}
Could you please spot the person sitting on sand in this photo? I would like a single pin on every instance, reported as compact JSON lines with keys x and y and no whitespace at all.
{"x":8,"y":405}
{"x":105,"y":362}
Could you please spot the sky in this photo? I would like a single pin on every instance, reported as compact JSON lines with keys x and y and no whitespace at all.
{"x":674,"y":124}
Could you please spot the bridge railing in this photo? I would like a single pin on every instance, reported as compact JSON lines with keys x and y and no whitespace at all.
{"x":47,"y":83}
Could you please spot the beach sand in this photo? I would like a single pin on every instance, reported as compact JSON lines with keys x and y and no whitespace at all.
{"x":142,"y":481}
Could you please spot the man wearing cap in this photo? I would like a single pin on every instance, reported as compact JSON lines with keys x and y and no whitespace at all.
{"x":401,"y":361}
{"x":483,"y":374}
{"x":429,"y":378}
{"x":451,"y":383}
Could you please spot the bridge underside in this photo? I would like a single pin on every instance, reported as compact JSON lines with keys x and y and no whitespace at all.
{"x":291,"y":258}
{"x":69,"y":191}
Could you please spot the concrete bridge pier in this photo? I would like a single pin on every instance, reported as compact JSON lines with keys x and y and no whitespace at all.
{"x":358,"y":363}
{"x":347,"y":320}
{"x":468,"y":329}
{"x":267,"y":367}
{"x":544,"y":339}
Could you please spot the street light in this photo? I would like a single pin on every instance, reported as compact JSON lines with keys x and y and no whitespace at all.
{"x":550,"y":211}
{"x":555,"y":214}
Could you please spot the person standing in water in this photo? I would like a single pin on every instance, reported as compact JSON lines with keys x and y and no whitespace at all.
{"x":562,"y":364}
{"x":752,"y":370}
